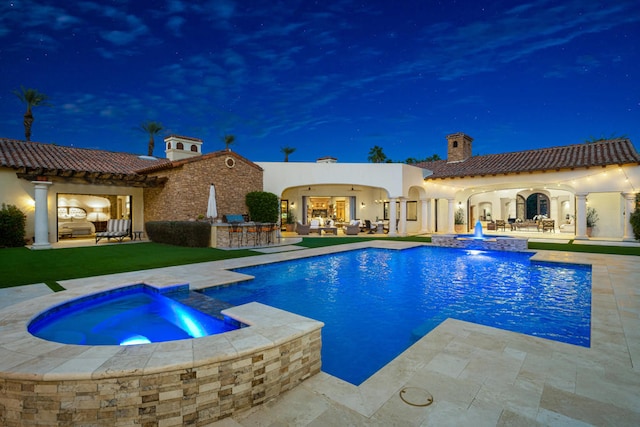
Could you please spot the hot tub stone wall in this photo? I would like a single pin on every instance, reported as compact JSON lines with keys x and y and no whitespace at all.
{"x":196,"y":396}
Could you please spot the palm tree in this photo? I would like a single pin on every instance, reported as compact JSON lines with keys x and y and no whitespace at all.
{"x":287,"y":150}
{"x":376,"y":155}
{"x":152,"y":128}
{"x":228,"y":140}
{"x":31,"y":98}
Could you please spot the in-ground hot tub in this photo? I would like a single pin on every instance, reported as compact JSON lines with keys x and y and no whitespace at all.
{"x":179,"y":382}
{"x":131,"y":315}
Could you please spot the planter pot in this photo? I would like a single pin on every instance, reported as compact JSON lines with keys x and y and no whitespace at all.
{"x":460,"y":228}
{"x":589,"y":230}
{"x":290,"y":227}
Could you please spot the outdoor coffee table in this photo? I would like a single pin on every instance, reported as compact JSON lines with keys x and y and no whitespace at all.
{"x":327,"y":230}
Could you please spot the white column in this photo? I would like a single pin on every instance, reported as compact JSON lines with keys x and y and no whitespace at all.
{"x":41,"y":215}
{"x":402,"y":225}
{"x":581,"y":216}
{"x":451,"y":228}
{"x":554,"y":212}
{"x":511,"y":208}
{"x":629,"y":207}
{"x":392,"y":217}
{"x":425,"y":215}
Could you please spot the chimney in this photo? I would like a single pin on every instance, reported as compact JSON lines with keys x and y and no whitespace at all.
{"x":459,"y":147}
{"x":182,"y":147}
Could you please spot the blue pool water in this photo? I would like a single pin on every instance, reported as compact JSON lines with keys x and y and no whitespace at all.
{"x":125,"y":316}
{"x":375,"y":303}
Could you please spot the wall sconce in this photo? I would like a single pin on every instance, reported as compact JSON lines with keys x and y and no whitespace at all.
{"x":362,"y":205}
{"x":293,"y":204}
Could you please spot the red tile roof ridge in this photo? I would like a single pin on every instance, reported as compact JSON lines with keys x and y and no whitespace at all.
{"x":26,"y":154}
{"x":616,"y":151}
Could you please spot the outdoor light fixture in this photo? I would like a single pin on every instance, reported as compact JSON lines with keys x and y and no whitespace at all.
{"x":362,"y":204}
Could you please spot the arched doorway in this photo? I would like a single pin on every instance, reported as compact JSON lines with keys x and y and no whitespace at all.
{"x":535,"y":204}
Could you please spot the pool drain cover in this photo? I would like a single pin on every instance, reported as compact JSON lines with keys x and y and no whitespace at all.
{"x":415,"y":396}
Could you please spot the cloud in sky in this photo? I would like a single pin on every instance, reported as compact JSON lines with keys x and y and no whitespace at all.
{"x":275,"y":69}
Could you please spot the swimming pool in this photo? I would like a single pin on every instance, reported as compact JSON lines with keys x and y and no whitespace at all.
{"x":375,"y":303}
{"x":125,"y":316}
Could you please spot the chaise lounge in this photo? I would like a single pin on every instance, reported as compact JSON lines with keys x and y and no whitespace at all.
{"x":116,"y":229}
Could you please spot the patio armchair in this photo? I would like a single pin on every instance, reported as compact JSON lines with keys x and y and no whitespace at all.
{"x":302,"y":229}
{"x":500,"y":224}
{"x":314,"y":226}
{"x":353,"y":228}
{"x":549,"y":225}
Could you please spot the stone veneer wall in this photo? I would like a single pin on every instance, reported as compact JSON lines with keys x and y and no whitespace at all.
{"x":196,"y":396}
{"x":513,"y":244}
{"x":186,"y":193}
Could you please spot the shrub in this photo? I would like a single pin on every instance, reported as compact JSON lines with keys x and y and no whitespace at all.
{"x":263,"y":206}
{"x":634,"y":219}
{"x":12,"y":226}
{"x":192,"y":234}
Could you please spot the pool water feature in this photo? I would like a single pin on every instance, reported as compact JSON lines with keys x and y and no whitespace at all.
{"x":131,"y":315}
{"x":375,"y":303}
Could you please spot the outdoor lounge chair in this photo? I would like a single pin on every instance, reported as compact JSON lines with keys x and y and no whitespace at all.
{"x":500,"y":224}
{"x":116,"y":229}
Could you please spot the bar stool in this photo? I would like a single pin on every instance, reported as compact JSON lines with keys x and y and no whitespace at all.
{"x":235,"y":229}
{"x":252,"y":228}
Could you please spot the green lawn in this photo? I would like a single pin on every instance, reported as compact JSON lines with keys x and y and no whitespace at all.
{"x":21,"y":266}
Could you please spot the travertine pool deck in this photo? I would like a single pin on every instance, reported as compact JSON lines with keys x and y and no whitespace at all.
{"x":478,"y":375}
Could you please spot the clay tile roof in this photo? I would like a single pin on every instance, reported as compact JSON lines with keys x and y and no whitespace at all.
{"x":20,"y":154}
{"x":602,"y":153}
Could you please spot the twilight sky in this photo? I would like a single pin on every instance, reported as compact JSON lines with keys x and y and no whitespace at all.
{"x":328,"y":78}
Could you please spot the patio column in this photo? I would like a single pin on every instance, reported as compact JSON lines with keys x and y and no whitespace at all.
{"x":581,"y":216}
{"x":451,"y":229}
{"x":425,"y":225}
{"x":553,"y":211}
{"x":41,"y":239}
{"x":629,"y":207}
{"x":512,"y":209}
{"x":402,"y":225}
{"x":392,"y":217}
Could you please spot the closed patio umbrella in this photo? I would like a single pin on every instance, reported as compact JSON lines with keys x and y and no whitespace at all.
{"x":212,"y":208}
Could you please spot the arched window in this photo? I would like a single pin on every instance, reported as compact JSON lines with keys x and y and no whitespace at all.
{"x":168,"y":146}
{"x":537,"y":204}
{"x":180,"y":146}
{"x":194,"y":148}
{"x":455,"y":144}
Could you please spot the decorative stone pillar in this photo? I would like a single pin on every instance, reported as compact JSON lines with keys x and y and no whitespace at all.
{"x":392,"y":217}
{"x":402,"y":225}
{"x":629,"y":207}
{"x":451,"y":228}
{"x":581,"y":216}
{"x":425,"y":225}
{"x":41,"y":240}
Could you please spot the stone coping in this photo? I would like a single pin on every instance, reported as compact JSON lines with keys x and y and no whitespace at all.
{"x":24,"y":356}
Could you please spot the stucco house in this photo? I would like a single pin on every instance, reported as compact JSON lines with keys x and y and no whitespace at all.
{"x":81,"y":188}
